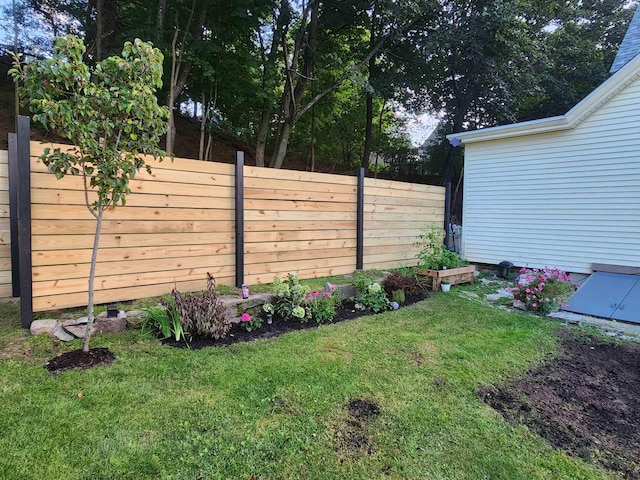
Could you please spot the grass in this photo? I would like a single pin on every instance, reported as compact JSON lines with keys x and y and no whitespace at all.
{"x":275,"y":409}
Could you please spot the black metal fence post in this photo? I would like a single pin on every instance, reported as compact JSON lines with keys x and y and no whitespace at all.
{"x":360,"y":222}
{"x":239,"y":205}
{"x":24,"y":221}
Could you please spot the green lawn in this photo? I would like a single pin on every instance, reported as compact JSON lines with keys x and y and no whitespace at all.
{"x":275,"y":409}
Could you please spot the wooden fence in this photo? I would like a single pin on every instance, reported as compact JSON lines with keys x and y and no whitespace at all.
{"x":180,"y":223}
{"x":5,"y":231}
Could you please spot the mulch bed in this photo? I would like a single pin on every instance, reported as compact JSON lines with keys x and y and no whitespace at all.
{"x":279,"y":327}
{"x":79,"y":360}
{"x":586,"y":401}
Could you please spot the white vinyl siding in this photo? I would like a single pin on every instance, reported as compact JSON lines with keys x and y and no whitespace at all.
{"x":563,"y":199}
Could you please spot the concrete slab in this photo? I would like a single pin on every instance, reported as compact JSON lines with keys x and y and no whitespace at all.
{"x":606,"y":325}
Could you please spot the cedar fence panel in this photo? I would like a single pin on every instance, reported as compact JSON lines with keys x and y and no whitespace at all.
{"x":5,"y":229}
{"x":394,"y":214}
{"x":179,"y":223}
{"x":298,"y":221}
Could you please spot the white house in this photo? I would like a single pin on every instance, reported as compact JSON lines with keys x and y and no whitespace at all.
{"x":562,"y":191}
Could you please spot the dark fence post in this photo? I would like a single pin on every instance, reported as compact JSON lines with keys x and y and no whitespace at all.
{"x":447,"y":215}
{"x":239,"y":219}
{"x":360,"y":222}
{"x":24,"y":221}
{"x":13,"y":214}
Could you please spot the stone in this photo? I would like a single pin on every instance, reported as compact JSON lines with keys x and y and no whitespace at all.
{"x":102,"y":315}
{"x":77,"y":331}
{"x":61,"y":334}
{"x":111,"y":325}
{"x":82,"y":321}
{"x":40,"y":327}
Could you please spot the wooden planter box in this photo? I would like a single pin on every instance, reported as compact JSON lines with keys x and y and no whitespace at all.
{"x":454,"y":276}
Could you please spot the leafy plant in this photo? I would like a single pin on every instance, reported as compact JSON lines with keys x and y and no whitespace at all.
{"x":398,"y":296}
{"x":371,"y":295}
{"x":542,"y":290}
{"x":250,"y":323}
{"x":288,"y":297}
{"x":202,"y":313}
{"x":163,"y":320}
{"x":396,"y":281}
{"x":110,"y":112}
{"x":321,"y":305}
{"x":433,"y":254}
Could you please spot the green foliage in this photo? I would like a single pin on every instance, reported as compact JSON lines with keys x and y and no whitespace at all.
{"x":371,"y":295}
{"x":288,"y":297}
{"x":542,"y":290}
{"x":163,"y":321}
{"x":250,"y":323}
{"x":321,"y":305}
{"x":433,"y":254}
{"x":202,"y":313}
{"x":398,"y":296}
{"x":109,"y":112}
{"x":397,"y":281}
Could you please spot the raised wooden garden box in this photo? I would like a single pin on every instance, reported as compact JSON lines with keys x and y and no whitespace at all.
{"x":454,"y":276}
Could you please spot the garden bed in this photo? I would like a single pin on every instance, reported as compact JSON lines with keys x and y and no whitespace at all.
{"x":586,"y":401}
{"x":238,"y":333}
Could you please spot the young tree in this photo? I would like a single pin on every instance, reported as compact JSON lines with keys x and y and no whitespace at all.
{"x":109,"y":112}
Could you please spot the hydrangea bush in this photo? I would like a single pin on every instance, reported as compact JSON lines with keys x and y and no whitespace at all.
{"x":542,"y":290}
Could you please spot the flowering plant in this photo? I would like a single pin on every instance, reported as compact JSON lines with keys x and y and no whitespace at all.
{"x":371,"y":294}
{"x":250,"y":323}
{"x":288,"y":296}
{"x":321,"y":304}
{"x":542,"y":290}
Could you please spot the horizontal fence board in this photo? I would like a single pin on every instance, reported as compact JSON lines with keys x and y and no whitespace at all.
{"x":53,"y":302}
{"x":80,"y":270}
{"x":328,"y":188}
{"x":6,"y":290}
{"x":308,"y":264}
{"x":272,"y":215}
{"x":297,"y":225}
{"x":292,"y":235}
{"x":297,"y":176}
{"x":111,"y":282}
{"x":371,"y":265}
{"x":275,"y":194}
{"x":43,"y":212}
{"x":63,"y":257}
{"x":88,"y":226}
{"x":76,"y":197}
{"x":293,"y":255}
{"x":298,"y":205}
{"x":261,"y":247}
{"x":112,"y":240}
{"x":5,"y":232}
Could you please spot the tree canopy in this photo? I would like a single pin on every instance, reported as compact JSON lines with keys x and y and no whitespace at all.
{"x":325,"y":80}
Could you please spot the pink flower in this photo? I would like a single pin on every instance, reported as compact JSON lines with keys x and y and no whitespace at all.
{"x":245,"y":317}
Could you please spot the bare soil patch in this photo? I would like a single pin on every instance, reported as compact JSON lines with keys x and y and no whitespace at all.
{"x":79,"y":360}
{"x":585,"y":401}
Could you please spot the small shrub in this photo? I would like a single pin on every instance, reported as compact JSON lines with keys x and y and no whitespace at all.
{"x":163,"y":321}
{"x":371,"y":295}
{"x":288,"y":298}
{"x":202,"y":313}
{"x":321,"y":305}
{"x":396,"y":281}
{"x":250,"y":323}
{"x":542,"y":290}
{"x":398,"y":296}
{"x":434,"y":255}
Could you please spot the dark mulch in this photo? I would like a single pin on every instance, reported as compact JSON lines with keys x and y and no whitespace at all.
{"x":586,"y":401}
{"x":79,"y":360}
{"x":279,"y":327}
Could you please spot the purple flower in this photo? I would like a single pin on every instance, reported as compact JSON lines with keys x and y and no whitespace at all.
{"x":395,"y":305}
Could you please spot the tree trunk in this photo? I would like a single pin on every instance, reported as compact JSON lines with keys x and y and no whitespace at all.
{"x":162,"y":9}
{"x":203,"y":123}
{"x":282,"y":143}
{"x":92,"y":276}
{"x":262,"y":134}
{"x":99,"y":28}
{"x":368,"y":133}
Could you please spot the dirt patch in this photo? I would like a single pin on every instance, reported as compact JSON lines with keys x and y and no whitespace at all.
{"x":586,"y":401}
{"x":79,"y":360}
{"x":352,"y":436}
